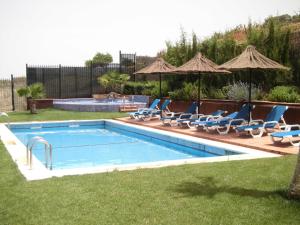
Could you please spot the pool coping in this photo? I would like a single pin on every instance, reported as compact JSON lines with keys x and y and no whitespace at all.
{"x":17,"y":151}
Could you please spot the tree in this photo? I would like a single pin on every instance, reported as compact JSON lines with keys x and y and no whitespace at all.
{"x":99,"y":59}
{"x":32,"y":92}
{"x":294,"y":191}
{"x":113,"y":81}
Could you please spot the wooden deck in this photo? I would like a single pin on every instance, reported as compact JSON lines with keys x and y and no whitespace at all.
{"x":264,"y":143}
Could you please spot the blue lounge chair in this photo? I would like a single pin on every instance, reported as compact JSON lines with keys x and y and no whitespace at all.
{"x":164,"y":107}
{"x":153,"y":106}
{"x":224,"y":124}
{"x":257,"y":128}
{"x":200,"y":117}
{"x":148,"y":114}
{"x":173,"y":116}
{"x":202,"y":124}
{"x":289,"y":134}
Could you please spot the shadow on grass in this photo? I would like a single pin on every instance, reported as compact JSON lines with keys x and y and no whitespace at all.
{"x":208,"y":187}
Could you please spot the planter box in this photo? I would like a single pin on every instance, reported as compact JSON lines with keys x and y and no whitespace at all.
{"x":42,"y":103}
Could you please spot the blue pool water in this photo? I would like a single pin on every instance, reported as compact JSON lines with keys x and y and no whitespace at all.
{"x":104,"y":143}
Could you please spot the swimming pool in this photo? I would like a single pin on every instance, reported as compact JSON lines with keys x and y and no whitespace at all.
{"x":106,"y":145}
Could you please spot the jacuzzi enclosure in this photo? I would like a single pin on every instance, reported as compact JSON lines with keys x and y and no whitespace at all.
{"x":101,"y":105}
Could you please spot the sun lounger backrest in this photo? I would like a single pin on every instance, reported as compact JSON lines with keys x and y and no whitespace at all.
{"x":165,"y":104}
{"x":192,"y":109}
{"x":154,"y":103}
{"x":244,"y":112}
{"x":276,"y":113}
{"x":218,"y":113}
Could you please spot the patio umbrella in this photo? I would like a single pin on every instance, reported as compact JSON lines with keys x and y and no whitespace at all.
{"x":250,"y":59}
{"x":159,"y":66}
{"x":199,"y":65}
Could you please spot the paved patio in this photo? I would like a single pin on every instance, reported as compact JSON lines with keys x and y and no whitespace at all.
{"x":264,"y":143}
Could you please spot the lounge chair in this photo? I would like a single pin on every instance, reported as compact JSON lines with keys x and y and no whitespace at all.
{"x":203,"y":124}
{"x":200,"y":117}
{"x":169,"y":118}
{"x":224,"y":124}
{"x":257,"y":128}
{"x":148,"y":114}
{"x":278,"y":137}
{"x":153,"y":106}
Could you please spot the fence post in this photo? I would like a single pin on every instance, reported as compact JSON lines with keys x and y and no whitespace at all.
{"x":59,"y":81}
{"x":91,"y":78}
{"x":120,"y":62}
{"x":76,"y":82}
{"x":12,"y":92}
{"x":27,"y":81}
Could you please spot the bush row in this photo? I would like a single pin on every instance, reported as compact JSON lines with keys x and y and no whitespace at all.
{"x":236,"y":91}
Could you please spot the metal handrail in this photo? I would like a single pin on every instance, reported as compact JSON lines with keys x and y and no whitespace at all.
{"x":48,"y":151}
{"x":5,"y":114}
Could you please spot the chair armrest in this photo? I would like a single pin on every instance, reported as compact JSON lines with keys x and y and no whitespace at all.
{"x":236,"y":120}
{"x":209,"y":117}
{"x":289,"y":127}
{"x":185,"y":115}
{"x":270,"y":122}
{"x":253,"y":122}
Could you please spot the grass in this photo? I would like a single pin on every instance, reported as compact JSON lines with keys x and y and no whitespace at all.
{"x":55,"y":114}
{"x":236,"y":192}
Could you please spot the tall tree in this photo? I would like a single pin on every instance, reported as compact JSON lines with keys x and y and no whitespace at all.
{"x":99,"y":59}
{"x":270,"y":41}
{"x":294,"y":191}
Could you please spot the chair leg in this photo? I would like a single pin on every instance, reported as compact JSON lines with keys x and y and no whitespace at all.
{"x":222,"y":131}
{"x":276,"y":140}
{"x":294,"y":143}
{"x":257,"y":135}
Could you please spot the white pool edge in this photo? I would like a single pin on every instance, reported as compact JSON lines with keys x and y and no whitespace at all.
{"x":17,"y":151}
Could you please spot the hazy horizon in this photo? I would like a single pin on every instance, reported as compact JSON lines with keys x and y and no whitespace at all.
{"x":69,"y":32}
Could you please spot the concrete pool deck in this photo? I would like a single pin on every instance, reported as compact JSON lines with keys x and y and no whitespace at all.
{"x":264,"y":143}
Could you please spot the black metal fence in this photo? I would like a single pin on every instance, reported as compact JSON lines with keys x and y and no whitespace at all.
{"x":9,"y":99}
{"x":76,"y":82}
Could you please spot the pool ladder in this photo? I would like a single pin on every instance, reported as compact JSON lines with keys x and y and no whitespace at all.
{"x":48,"y":151}
{"x":7,"y":118}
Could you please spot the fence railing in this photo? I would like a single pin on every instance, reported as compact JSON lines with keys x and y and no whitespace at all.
{"x":9,"y":99}
{"x":76,"y":81}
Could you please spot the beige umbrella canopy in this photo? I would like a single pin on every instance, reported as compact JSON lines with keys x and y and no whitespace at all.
{"x":199,"y":65}
{"x":250,"y":59}
{"x":159,"y":66}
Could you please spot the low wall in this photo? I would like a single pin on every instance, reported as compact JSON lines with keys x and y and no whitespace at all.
{"x":262,"y":108}
{"x":42,"y":103}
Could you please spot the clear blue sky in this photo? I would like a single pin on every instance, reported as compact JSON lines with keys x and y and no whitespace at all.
{"x":71,"y":31}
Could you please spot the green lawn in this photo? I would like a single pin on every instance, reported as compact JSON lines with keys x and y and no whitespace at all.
{"x":237,"y":192}
{"x":54,"y":114}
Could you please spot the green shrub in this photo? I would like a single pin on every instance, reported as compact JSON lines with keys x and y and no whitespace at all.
{"x":135,"y":87}
{"x":189,"y":91}
{"x":216,"y":94}
{"x":284,"y":94}
{"x":152,"y":89}
{"x":113,"y":81}
{"x":240,"y":91}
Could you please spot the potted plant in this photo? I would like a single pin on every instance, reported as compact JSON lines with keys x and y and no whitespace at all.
{"x":32,"y":92}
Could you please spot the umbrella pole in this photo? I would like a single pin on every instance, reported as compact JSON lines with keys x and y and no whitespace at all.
{"x":249,"y":100}
{"x":199,"y":84}
{"x":160,"y":85}
{"x":160,"y":93}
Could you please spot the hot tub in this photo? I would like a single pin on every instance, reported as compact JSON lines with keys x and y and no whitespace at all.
{"x":100,"y":105}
